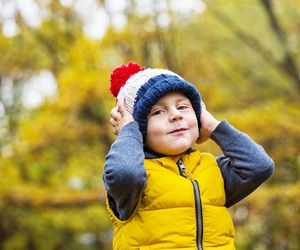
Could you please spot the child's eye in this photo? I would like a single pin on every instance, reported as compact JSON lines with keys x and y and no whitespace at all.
{"x":181,"y":107}
{"x":157,"y":112}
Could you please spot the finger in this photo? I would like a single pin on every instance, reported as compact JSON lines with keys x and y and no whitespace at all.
{"x":115,"y":131}
{"x":115,"y":114}
{"x":121,"y":108}
{"x":112,"y":121}
{"x":114,"y":110}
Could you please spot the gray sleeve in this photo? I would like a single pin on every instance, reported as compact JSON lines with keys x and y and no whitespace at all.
{"x":124,"y":173}
{"x":245,"y":165}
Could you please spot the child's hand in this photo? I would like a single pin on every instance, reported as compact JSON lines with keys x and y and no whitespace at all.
{"x":208,"y":124}
{"x":119,"y":117}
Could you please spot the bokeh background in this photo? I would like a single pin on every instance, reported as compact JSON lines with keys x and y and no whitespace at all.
{"x":55,"y":62}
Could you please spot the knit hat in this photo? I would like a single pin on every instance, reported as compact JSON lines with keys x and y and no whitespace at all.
{"x":141,"y":88}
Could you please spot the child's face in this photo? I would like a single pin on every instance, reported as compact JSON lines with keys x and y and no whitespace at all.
{"x":172,"y":125}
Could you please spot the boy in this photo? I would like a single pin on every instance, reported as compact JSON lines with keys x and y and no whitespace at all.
{"x":162,"y":193}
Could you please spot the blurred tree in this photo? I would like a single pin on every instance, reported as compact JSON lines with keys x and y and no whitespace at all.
{"x":30,"y":51}
{"x":243,"y":57}
{"x":49,"y":198}
{"x":288,"y":63}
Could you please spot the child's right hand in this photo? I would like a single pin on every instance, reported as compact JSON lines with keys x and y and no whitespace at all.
{"x":119,"y":117}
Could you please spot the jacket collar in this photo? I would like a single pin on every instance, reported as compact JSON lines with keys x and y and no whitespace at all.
{"x":150,"y":154}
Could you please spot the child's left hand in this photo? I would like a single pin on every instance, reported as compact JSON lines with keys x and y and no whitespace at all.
{"x":119,"y":117}
{"x":208,"y":124}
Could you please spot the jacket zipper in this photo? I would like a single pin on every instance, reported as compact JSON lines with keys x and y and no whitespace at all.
{"x":183,"y":172}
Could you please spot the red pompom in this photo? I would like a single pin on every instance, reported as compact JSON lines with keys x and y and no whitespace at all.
{"x":121,"y":74}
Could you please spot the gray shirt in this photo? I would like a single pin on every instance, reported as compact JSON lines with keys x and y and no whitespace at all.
{"x":244,"y":166}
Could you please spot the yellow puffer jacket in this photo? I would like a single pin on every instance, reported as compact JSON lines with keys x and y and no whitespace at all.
{"x":171,"y":214}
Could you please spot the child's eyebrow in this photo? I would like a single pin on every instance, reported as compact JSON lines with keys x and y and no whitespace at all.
{"x":183,"y":99}
{"x":157,"y":105}
{"x":163,"y":103}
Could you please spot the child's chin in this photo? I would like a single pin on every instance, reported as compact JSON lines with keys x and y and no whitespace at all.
{"x":177,"y":151}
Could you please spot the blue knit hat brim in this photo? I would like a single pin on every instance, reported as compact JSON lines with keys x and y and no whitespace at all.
{"x":155,"y":88}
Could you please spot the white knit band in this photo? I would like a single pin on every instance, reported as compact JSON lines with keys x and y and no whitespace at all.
{"x":134,"y":83}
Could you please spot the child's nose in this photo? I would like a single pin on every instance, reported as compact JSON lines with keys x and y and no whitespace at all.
{"x":175,"y":114}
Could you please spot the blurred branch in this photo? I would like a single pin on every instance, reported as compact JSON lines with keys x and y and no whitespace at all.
{"x":166,"y":46}
{"x":287,"y":66}
{"x":250,"y":41}
{"x":12,"y":105}
{"x":288,"y":62}
{"x":43,"y":197}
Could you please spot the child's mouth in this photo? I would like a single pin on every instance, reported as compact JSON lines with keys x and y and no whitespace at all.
{"x":178,"y":130}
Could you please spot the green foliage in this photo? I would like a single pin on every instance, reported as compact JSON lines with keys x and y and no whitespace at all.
{"x":274,"y":223}
{"x":51,"y":192}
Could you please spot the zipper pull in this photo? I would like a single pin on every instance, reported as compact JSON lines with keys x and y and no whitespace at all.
{"x":183,"y":171}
